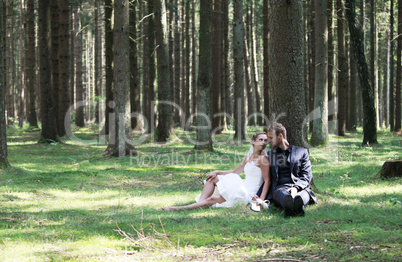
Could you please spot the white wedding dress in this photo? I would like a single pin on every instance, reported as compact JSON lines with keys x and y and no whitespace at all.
{"x":236,"y":190}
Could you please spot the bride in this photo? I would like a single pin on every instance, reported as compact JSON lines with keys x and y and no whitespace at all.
{"x":232,"y":189}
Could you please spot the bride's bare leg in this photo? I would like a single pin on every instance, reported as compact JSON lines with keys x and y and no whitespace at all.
{"x":208,"y":189}
{"x":200,"y":204}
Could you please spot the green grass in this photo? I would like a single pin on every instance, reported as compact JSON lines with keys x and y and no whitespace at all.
{"x":65,"y":202}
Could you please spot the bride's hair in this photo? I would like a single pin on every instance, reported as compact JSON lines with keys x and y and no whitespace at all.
{"x":254,"y":136}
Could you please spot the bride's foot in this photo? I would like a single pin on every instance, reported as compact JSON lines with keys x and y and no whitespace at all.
{"x":169,"y":208}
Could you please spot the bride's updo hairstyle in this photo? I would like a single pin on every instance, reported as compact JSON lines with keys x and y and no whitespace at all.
{"x":254,"y":137}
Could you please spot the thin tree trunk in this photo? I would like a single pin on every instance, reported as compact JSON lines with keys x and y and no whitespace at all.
{"x":331,"y":69}
{"x":320,"y":126}
{"x":146,"y":104}
{"x":108,"y":65}
{"x":216,"y":63}
{"x":204,"y":84}
{"x":398,"y":71}
{"x":31,"y":74}
{"x":64,"y":65}
{"x":373,"y":56}
{"x":247,"y":81}
{"x":194,"y":60}
{"x":21,"y":114}
{"x":49,"y":127}
{"x":392,"y":70}
{"x":98,"y":60}
{"x":165,"y":116}
{"x":369,"y":122}
{"x":311,"y":87}
{"x":342,"y":71}
{"x":226,"y":64}
{"x":151,"y":68}
{"x":238,"y":46}
{"x":177,"y":65}
{"x":54,"y":31}
{"x":3,"y":135}
{"x":72,"y":58}
{"x":266,"y":60}
{"x":254,"y":67}
{"x":120,"y":143}
{"x":187,"y":56}
{"x":7,"y":57}
{"x":79,"y":115}
{"x":135,"y":90}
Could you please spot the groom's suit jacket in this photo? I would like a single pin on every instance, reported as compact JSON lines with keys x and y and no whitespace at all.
{"x":300,"y":168}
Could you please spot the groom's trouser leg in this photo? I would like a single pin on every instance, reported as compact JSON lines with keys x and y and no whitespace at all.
{"x":279,"y":196}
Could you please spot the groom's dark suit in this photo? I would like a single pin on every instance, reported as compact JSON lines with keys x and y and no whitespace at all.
{"x":300,"y":175}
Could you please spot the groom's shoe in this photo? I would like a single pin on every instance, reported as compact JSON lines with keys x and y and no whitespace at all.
{"x":289,"y":206}
{"x":299,"y":206}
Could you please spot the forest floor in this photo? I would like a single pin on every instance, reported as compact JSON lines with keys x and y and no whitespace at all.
{"x":66,"y":202}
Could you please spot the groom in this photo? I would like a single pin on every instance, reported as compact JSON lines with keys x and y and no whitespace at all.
{"x":290,"y":171}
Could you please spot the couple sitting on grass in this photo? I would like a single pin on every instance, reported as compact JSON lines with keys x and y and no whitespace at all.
{"x":281,"y":175}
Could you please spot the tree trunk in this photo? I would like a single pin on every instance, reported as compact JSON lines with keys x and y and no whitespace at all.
{"x":21,"y":114}
{"x":135,"y":90}
{"x":216,"y":63}
{"x":108,"y":64}
{"x":247,"y":82}
{"x":194,"y":60}
{"x":311,"y":87}
{"x":392,"y":71}
{"x":177,"y":66}
{"x":98,"y":60}
{"x":238,"y":46}
{"x":79,"y":115}
{"x":374,"y":56}
{"x":286,"y":72}
{"x":342,"y":71}
{"x":31,"y":74}
{"x":72,"y":58}
{"x":151,"y":69}
{"x":49,"y":127}
{"x":120,"y":142}
{"x":187,"y":56}
{"x":320,"y":119}
{"x":64,"y":65}
{"x":398,"y":71}
{"x":165,"y":116}
{"x":145,"y":69}
{"x":254,"y":67}
{"x":331,"y":69}
{"x":54,"y":32}
{"x":8,"y":67}
{"x":3,"y":135}
{"x":204,"y":84}
{"x":369,"y":121}
{"x":266,"y":61}
{"x":226,"y":64}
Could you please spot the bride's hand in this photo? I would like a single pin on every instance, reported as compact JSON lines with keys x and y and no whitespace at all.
{"x":211,"y":176}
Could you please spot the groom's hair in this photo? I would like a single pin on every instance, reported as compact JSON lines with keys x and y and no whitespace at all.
{"x":254,"y":136}
{"x":278,"y":128}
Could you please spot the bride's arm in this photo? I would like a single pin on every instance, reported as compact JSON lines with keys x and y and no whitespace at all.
{"x":265,"y":174}
{"x":237,"y":170}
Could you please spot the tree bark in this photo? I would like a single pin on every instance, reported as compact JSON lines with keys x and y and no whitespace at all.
{"x":98,"y":60}
{"x":216,"y":63}
{"x":3,"y":135}
{"x":177,"y":65}
{"x":320,"y":119}
{"x":286,"y":72}
{"x":369,"y":121}
{"x":31,"y":74}
{"x":151,"y":69}
{"x":79,"y":115}
{"x":204,"y":84}
{"x":342,"y":71}
{"x":165,"y":116}
{"x":64,"y":65}
{"x":120,"y":142}
{"x":238,"y":46}
{"x":49,"y":128}
{"x":374,"y":57}
{"x":54,"y":31}
{"x":392,"y":71}
{"x":398,"y":71}
{"x":135,"y":90}
{"x":331,"y":69}
{"x":266,"y":60}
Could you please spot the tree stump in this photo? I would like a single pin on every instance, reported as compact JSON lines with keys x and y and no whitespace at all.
{"x":391,"y":168}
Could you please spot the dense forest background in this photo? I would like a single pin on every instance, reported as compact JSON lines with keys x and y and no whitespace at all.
{"x":150,"y":66}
